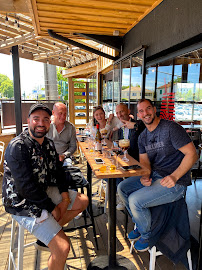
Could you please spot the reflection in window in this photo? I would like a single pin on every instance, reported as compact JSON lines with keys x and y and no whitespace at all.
{"x":117,"y":83}
{"x":136,"y":76}
{"x":164,"y":78}
{"x":150,"y":82}
{"x":125,"y":88}
{"x":185,"y":86}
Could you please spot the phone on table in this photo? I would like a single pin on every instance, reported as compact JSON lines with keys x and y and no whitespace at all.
{"x":99,"y":161}
{"x":131,"y":167}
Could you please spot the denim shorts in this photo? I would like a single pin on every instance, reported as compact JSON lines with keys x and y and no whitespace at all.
{"x":46,"y":230}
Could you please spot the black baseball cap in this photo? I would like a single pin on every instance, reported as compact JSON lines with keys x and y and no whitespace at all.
{"x":39,"y":106}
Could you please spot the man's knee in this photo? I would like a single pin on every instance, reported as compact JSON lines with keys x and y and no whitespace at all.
{"x":120,"y":187}
{"x":60,"y":246}
{"x":83,"y":201}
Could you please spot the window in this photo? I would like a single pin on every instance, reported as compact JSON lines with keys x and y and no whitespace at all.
{"x":180,"y":83}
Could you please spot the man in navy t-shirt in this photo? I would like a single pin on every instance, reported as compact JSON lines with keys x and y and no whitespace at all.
{"x":169,"y":154}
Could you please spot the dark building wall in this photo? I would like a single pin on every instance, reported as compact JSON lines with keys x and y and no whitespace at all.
{"x":170,"y":23}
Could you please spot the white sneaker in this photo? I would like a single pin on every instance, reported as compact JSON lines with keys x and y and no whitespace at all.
{"x":120,"y":206}
{"x":78,"y":216}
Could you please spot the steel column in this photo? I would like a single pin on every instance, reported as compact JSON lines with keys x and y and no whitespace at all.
{"x":17,"y":89}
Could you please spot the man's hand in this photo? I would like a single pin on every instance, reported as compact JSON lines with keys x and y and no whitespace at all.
{"x":168,"y":181}
{"x":128,"y":124}
{"x":111,"y":116}
{"x":56,"y":213}
{"x":61,"y":158}
{"x":146,"y":181}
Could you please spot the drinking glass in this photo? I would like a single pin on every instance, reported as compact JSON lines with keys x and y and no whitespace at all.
{"x":124,"y":144}
{"x":116,"y":149}
{"x":104,"y":132}
{"x":112,"y":167}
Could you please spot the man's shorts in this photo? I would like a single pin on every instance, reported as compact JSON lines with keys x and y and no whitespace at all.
{"x":46,"y":230}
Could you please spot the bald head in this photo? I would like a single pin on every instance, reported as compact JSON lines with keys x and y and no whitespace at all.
{"x":122,"y":112}
{"x":59,"y":105}
{"x":59,"y":113}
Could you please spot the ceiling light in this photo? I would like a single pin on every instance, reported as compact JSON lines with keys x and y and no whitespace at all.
{"x":18,"y":27}
{"x":16,"y":24}
{"x":116,"y":33}
{"x":6,"y":20}
{"x":23,"y":50}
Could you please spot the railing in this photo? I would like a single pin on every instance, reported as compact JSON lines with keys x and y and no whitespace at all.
{"x":7,"y":111}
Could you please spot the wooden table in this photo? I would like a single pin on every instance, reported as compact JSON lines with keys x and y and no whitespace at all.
{"x":112,"y":261}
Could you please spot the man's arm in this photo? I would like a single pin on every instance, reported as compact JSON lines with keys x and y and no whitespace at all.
{"x":72,"y":144}
{"x":190,"y":157}
{"x":18,"y":161}
{"x":144,"y":160}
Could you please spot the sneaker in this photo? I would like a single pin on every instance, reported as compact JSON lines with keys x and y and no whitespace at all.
{"x":134,"y":235}
{"x":120,"y":206}
{"x":142,"y":245}
{"x":78,"y":216}
{"x":41,"y":246}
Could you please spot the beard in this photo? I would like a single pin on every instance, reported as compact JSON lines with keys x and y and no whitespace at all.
{"x":37,"y":134}
{"x":149,"y":123}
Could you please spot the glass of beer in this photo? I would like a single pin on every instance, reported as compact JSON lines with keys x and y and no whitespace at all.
{"x":104,"y":132}
{"x":124,"y":144}
{"x":117,"y":150}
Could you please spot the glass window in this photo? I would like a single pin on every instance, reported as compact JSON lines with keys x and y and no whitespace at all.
{"x":187,"y":87}
{"x":117,"y":83}
{"x":136,"y":76}
{"x":150,"y":82}
{"x":125,"y":88}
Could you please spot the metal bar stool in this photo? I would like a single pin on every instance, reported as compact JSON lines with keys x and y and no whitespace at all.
{"x":154,"y":253}
{"x":20,"y":247}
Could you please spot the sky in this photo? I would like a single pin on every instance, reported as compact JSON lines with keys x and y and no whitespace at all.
{"x":31,"y":72}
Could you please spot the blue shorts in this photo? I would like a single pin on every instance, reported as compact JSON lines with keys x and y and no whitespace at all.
{"x":46,"y":230}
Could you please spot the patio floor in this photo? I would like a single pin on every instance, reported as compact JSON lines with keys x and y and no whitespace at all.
{"x":83,"y":249}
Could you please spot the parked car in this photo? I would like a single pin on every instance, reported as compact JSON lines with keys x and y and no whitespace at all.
{"x":80,"y":114}
{"x":80,"y":107}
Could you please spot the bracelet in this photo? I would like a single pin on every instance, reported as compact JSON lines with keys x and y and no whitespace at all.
{"x":66,"y":200}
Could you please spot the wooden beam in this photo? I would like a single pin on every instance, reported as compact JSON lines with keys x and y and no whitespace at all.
{"x":86,"y":17}
{"x":17,"y":40}
{"x":12,"y":6}
{"x":156,"y":3}
{"x":80,"y":70}
{"x":90,"y":7}
{"x":34,"y":15}
{"x":71,"y":101}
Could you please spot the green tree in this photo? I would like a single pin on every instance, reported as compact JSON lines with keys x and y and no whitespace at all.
{"x":6,"y":87}
{"x":60,"y":80}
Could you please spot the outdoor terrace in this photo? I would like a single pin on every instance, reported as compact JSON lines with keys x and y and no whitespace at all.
{"x":83,"y":248}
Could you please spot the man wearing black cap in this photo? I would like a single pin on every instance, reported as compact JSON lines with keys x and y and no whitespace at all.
{"x":35,"y":190}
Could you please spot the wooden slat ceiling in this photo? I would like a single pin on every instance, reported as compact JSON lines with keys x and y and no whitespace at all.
{"x":26,"y":25}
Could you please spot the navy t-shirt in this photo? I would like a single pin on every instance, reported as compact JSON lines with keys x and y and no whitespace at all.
{"x":161,"y":146}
